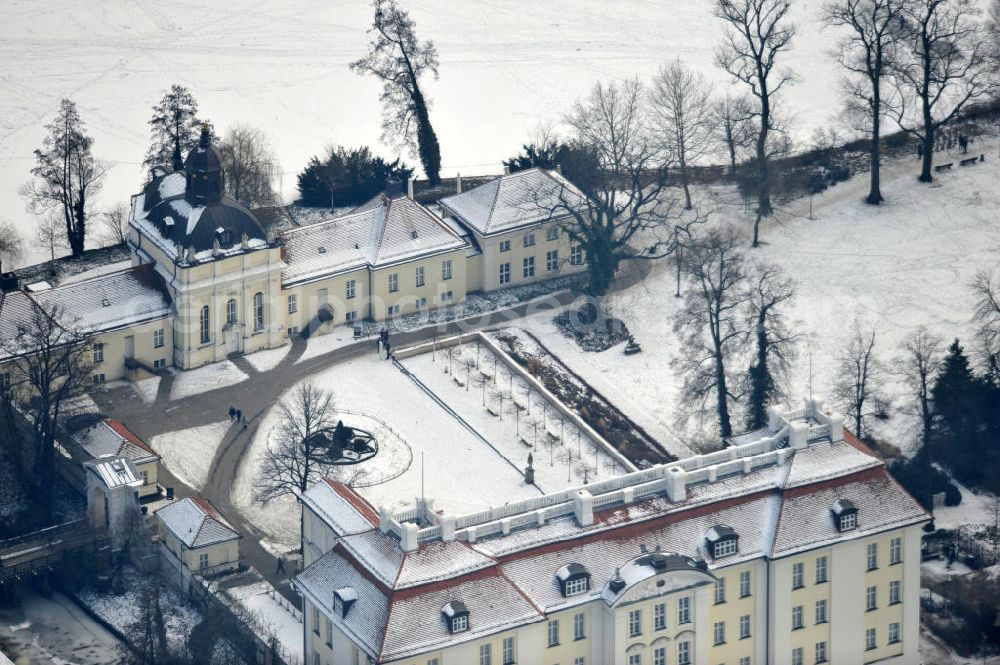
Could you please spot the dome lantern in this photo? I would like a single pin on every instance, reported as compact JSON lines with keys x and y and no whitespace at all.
{"x":203,"y":171}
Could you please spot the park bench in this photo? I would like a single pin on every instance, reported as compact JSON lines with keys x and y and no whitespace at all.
{"x":458,"y":380}
{"x":493,"y":411}
{"x":969,"y":162}
{"x":526,"y":442}
{"x":943,"y":167}
{"x":519,"y":403}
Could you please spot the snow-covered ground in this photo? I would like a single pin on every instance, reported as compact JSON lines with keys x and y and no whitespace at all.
{"x":975,"y":509}
{"x":54,"y":630}
{"x":265,"y":361}
{"x":205,"y":379}
{"x":147,"y":389}
{"x":273,"y":611}
{"x":97,"y":272}
{"x":284,"y":67}
{"x":188,"y":453}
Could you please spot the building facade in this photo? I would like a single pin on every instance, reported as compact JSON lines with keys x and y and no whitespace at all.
{"x":195,"y":540}
{"x":790,"y":546}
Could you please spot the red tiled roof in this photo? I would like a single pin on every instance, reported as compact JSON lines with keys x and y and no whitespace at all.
{"x":356,"y":500}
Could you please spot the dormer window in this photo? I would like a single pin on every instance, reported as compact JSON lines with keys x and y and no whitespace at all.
{"x":573,"y":579}
{"x":845,"y":515}
{"x":722,"y":541}
{"x":413,"y":234}
{"x":322,"y":250}
{"x":343,"y":599}
{"x":456,"y":615}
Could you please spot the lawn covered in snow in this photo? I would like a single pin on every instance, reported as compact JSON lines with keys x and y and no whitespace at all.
{"x":204,"y":379}
{"x":273,"y":611}
{"x":188,"y":453}
{"x":265,"y":361}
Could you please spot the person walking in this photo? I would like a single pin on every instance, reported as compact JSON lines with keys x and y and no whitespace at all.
{"x":245,"y":422}
{"x":387,"y":347}
{"x":239,"y":415}
{"x":232,"y":413}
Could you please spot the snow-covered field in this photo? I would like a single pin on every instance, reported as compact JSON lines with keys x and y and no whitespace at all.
{"x":265,"y":361}
{"x":188,"y":453}
{"x":205,"y":378}
{"x":147,"y":389}
{"x":284,"y":67}
{"x":272,"y":609}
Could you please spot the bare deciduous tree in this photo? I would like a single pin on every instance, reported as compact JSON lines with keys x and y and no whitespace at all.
{"x":943,"y":65}
{"x":115,"y":223}
{"x":250,"y":166}
{"x":293,"y":461}
{"x":710,"y":323}
{"x":67,"y":176}
{"x":398,"y":59}
{"x":732,"y":115}
{"x":859,"y":376}
{"x":11,"y":245}
{"x":768,"y":293}
{"x":50,"y":235}
{"x":757,"y":33}
{"x":52,"y":361}
{"x":918,"y":365}
{"x":866,"y":53}
{"x":682,"y":111}
{"x":986,"y":289}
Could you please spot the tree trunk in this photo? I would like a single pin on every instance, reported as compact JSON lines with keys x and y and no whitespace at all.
{"x":731,"y":144}
{"x":756,"y":230}
{"x":684,"y":183}
{"x":763,"y":167}
{"x":928,"y":158}
{"x":759,"y":377}
{"x":77,"y":236}
{"x":722,"y":394}
{"x":874,"y":190}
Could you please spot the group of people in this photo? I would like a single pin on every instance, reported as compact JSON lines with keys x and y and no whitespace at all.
{"x":382,"y":344}
{"x":237,"y":415}
{"x":946,"y":139}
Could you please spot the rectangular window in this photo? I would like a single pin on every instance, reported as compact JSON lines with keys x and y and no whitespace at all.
{"x":635,"y":623}
{"x":99,"y":379}
{"x":871,"y":598}
{"x":896,"y":551}
{"x":529,"y":239}
{"x":848,"y":521}
{"x":505,"y":245}
{"x":578,"y":626}
{"x":420,"y":276}
{"x":744,"y":660}
{"x":293,"y":331}
{"x":329,"y":633}
{"x":635,"y":659}
{"x":421,"y":303}
{"x":316,"y":620}
{"x":508,"y":650}
{"x":893,"y":633}
{"x":744,"y":584}
{"x":798,"y":575}
{"x":821,"y":652}
{"x":797,"y":621}
{"x":720,"y":591}
{"x":485,"y":654}
{"x":895,"y":587}
{"x":351,"y":316}
{"x":158,"y":338}
{"x":350,"y":287}
{"x":433,"y":661}
{"x":872,"y":556}
{"x":447,"y":296}
{"x":744,"y":626}
{"x":145,"y":477}
{"x":98,"y":353}
{"x":870,"y":639}
{"x":821,"y":574}
{"x":203,"y":561}
{"x":258,"y":311}
{"x":797,"y":656}
{"x":552,"y":233}
{"x":660,"y":616}
{"x":684,"y":610}
{"x":393,"y":282}
{"x":446,"y":269}
{"x":684,"y":653}
{"x":554,"y":633}
{"x":552,"y":260}
{"x":821,"y":611}
{"x":293,"y":303}
{"x":392,"y":310}
{"x":460,"y":623}
{"x":660,"y":656}
{"x":719,"y":632}
{"x":203,"y":326}
{"x":159,"y":363}
{"x":579,"y":660}
{"x":505,"y":273}
{"x":576,"y":255}
{"x":529,"y":267}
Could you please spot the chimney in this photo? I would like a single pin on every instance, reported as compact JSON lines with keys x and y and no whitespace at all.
{"x":506,"y":170}
{"x":245,"y":241}
{"x":384,"y":519}
{"x":798,"y":438}
{"x":447,"y":527}
{"x":458,"y":184}
{"x":677,"y":484}
{"x":409,"y":188}
{"x":583,"y":508}
{"x":836,"y":428}
{"x":409,"y":540}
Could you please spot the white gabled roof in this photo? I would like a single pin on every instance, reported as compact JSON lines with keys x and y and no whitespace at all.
{"x":115,"y":472}
{"x":379,"y":233}
{"x":196,"y":522}
{"x":110,"y":437}
{"x":514,"y":200}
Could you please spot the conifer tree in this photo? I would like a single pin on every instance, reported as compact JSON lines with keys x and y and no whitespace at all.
{"x":174,"y":128}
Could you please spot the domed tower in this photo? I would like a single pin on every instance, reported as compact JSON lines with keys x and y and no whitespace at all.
{"x":206,"y":180}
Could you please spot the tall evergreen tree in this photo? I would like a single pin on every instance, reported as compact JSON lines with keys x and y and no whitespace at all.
{"x":954,"y":399}
{"x":174,"y":128}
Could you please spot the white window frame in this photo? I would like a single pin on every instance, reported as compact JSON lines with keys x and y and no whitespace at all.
{"x":849,"y":522}
{"x":798,"y":656}
{"x":895,"y":592}
{"x":822,"y":570}
{"x":158,"y":338}
{"x":204,"y":325}
{"x":460,"y":623}
{"x":553,"y":633}
{"x":579,"y":626}
{"x":203,"y":561}
{"x":552,"y":260}
{"x":528,"y":267}
{"x":684,"y":652}
{"x":720,"y":591}
{"x":895,"y":551}
{"x":393,"y":282}
{"x":660,"y":656}
{"x":894,"y":631}
{"x":821,"y":611}
{"x":486,"y":654}
{"x":871,"y":598}
{"x":798,"y":617}
{"x":293,"y":303}
{"x":725,"y":547}
{"x":552,"y":233}
{"x":447,"y":296}
{"x":446,"y":269}
{"x":392,"y":310}
{"x":821,"y":652}
{"x":505,"y":273}
{"x":529,"y":240}
{"x":232,"y":312}
{"x":635,"y":623}
{"x":718,"y":633}
{"x":576,"y":255}
{"x":577,"y":586}
{"x":745,"y":590}
{"x":872,"y":558}
{"x":871,"y":639}
{"x":660,"y":616}
{"x":798,"y":575}
{"x":258,"y":311}
{"x":351,"y":316}
{"x":508,"y":650}
{"x":684,"y":610}
{"x":351,"y":288}
{"x":419,"y":276}
{"x":505,"y":245}
{"x":98,"y":353}
{"x":744,"y":626}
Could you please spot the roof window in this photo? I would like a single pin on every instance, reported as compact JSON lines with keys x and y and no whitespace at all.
{"x":322,"y":250}
{"x":456,"y":615}
{"x":722,"y":541}
{"x":573,"y":579}
{"x":343,"y":599}
{"x":845,"y":515}
{"x":105,"y":302}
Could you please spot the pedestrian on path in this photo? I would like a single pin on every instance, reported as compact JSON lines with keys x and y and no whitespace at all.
{"x":387,"y":347}
{"x":239,"y":415}
{"x":232,"y":413}
{"x":281,"y":566}
{"x":245,"y":422}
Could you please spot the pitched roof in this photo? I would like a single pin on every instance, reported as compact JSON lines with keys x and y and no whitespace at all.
{"x":514,"y":200}
{"x":379,"y":233}
{"x":340,"y":507}
{"x":110,"y":437}
{"x":196,"y":522}
{"x":115,"y":471}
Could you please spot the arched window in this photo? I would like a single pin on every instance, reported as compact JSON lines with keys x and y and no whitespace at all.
{"x":258,"y":311}
{"x":205,"y":334}
{"x":231,"y":317}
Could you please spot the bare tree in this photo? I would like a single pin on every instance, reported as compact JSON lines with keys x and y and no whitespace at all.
{"x":11,"y":245}
{"x":619,"y":201}
{"x":66,"y":174}
{"x":250,"y":166}
{"x":859,"y":376}
{"x":732,"y":125}
{"x":398,"y":59}
{"x":710,"y":322}
{"x":50,"y":235}
{"x":866,"y":53}
{"x":993,"y":30}
{"x":52,"y":361}
{"x":918,"y":365}
{"x":293,"y":461}
{"x":945,"y":67}
{"x":757,"y":33}
{"x":682,"y":112}
{"x":768,"y":294}
{"x":114,"y":221}
{"x":986,"y":289}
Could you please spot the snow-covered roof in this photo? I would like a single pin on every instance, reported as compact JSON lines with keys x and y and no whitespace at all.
{"x":99,"y":304}
{"x":340,"y":507}
{"x":515,"y":200}
{"x":196,"y":522}
{"x":115,"y":472}
{"x":379,"y":233}
{"x":110,"y":437}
